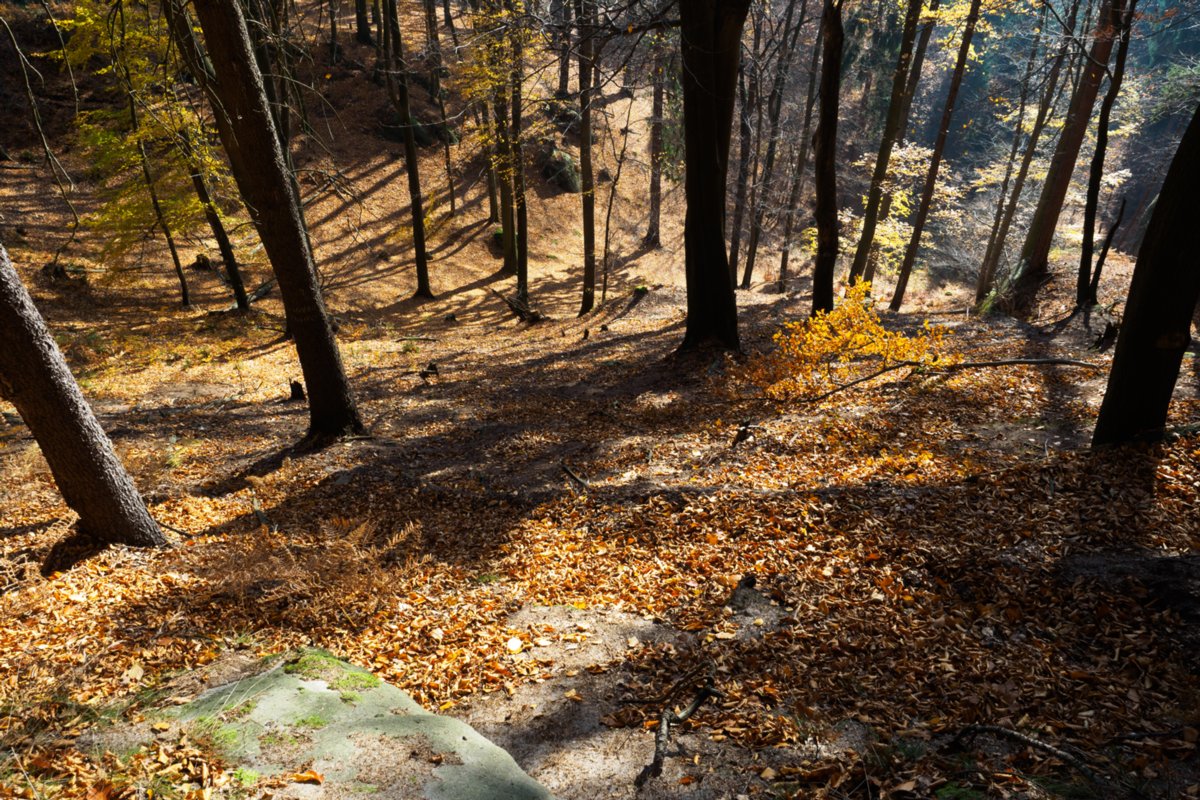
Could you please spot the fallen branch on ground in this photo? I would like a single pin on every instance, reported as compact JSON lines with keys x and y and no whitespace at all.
{"x":574,"y":476}
{"x":662,"y":736}
{"x":520,"y":309}
{"x":1004,"y":362}
{"x":971,"y":731}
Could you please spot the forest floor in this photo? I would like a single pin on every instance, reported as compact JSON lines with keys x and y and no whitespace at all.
{"x":541,"y":534}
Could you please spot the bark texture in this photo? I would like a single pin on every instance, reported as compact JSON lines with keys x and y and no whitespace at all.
{"x":34,"y":377}
{"x":1156,"y":328}
{"x":710,"y":33}
{"x":248,"y":133}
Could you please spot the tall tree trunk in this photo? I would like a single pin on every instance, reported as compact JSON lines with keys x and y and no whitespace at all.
{"x":825,"y":157}
{"x":1033,"y":268}
{"x":481,"y":117}
{"x":783,"y":66}
{"x":34,"y":377}
{"x":801,"y":162}
{"x":119,"y":57}
{"x":397,"y":82}
{"x":939,"y":147}
{"x":505,"y":173}
{"x":987,"y":273}
{"x":585,"y":13}
{"x":910,"y":92}
{"x":362,"y":23}
{"x":891,"y":132}
{"x":232,"y":271}
{"x":562,"y":20}
{"x":710,"y":33}
{"x":439,"y":95}
{"x":914,"y":73}
{"x":251,"y":141}
{"x":516,"y":80}
{"x":1156,"y":329}
{"x":653,"y":237}
{"x":985,"y":277}
{"x":1083,"y":287}
{"x":748,"y":83}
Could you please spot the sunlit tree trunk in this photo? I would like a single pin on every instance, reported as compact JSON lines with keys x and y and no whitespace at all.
{"x":939,"y":147}
{"x":396,"y":74}
{"x":783,"y":66}
{"x":34,"y":377}
{"x":248,"y":132}
{"x":653,"y":235}
{"x":1033,"y":269}
{"x":891,"y":132}
{"x":801,"y":162}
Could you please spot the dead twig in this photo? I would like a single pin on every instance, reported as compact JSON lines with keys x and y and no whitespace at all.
{"x":668,"y":717}
{"x":520,"y":309}
{"x":916,"y":365}
{"x":574,"y":476}
{"x":971,"y":731}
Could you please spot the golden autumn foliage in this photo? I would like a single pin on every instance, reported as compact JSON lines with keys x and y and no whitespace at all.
{"x":816,"y":356}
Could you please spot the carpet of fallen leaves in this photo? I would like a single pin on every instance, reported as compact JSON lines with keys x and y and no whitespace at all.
{"x":917,"y":529}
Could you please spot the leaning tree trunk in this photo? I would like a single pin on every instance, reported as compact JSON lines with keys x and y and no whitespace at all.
{"x":1084,"y":296}
{"x":710,"y":33}
{"x":247,"y":130}
{"x":585,"y":12}
{"x":801,"y":161}
{"x":1156,"y":328}
{"x":34,"y":377}
{"x":999,"y":235}
{"x":1033,"y":268}
{"x":825,"y":157}
{"x":891,"y":132}
{"x":914,"y":242}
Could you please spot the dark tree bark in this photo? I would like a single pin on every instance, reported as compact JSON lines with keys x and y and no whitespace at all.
{"x":1033,"y":268}
{"x":1084,"y":296}
{"x":825,"y":156}
{"x":34,"y":377}
{"x":362,"y":23}
{"x":396,"y":73}
{"x":561,"y":10}
{"x":1155,"y":330}
{"x":233,"y":272}
{"x":585,"y":13}
{"x":710,"y":33}
{"x":939,"y":147}
{"x":783,"y":66}
{"x":653,"y":236}
{"x":891,"y":132}
{"x":248,"y":132}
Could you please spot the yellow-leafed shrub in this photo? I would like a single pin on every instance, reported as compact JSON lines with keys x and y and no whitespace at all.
{"x":830,"y":350}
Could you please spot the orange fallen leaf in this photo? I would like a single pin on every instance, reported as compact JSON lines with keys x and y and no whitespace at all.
{"x":308,"y":776}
